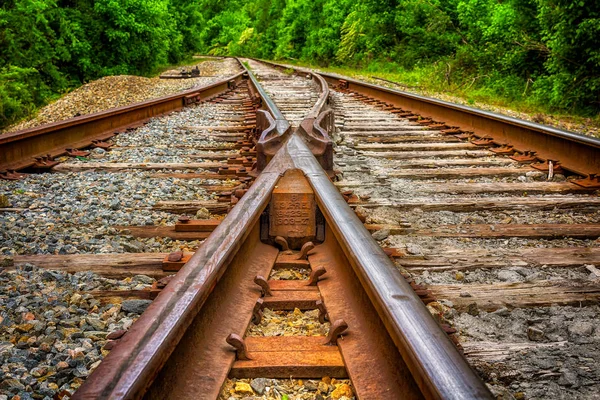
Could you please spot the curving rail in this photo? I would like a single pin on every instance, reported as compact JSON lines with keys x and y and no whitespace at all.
{"x":573,"y":151}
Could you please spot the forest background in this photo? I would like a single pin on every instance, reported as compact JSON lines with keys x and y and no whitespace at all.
{"x":536,"y":54}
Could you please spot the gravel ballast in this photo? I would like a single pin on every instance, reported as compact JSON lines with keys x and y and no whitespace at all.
{"x":53,"y":333}
{"x":122,"y":90}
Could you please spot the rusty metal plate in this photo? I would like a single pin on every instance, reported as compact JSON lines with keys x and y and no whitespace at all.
{"x":293,"y":210}
{"x":282,"y":357}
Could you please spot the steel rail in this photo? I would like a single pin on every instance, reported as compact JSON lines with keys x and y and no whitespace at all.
{"x":281,"y":125}
{"x":576,"y":152}
{"x":19,"y":149}
{"x":438,"y":368}
{"x":318,"y":123}
{"x":130,"y":367}
{"x":440,"y":371}
{"x":275,"y":129}
{"x":270,"y":104}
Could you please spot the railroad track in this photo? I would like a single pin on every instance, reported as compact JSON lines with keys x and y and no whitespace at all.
{"x":445,"y":203}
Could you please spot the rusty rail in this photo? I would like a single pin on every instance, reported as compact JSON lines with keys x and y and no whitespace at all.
{"x":435,"y":364}
{"x":275,"y":129}
{"x":575,"y":152}
{"x":131,"y":366}
{"x":438,"y":368}
{"x":314,"y":129}
{"x":19,"y":149}
{"x":317,"y":126}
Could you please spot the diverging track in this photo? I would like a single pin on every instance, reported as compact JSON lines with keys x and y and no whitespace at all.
{"x":378,"y":258}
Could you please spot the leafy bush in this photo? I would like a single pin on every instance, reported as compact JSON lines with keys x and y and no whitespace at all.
{"x":50,"y":46}
{"x":21,"y":91}
{"x":542,"y":52}
{"x":545,"y":52}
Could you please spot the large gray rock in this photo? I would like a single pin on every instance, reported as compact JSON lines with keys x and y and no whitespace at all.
{"x":581,"y":328}
{"x":259,"y":385}
{"x":136,"y":306}
{"x":381,"y":234}
{"x":509,"y":276}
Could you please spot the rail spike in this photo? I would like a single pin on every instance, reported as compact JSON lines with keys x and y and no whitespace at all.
{"x":241,"y":351}
{"x":257,"y":313}
{"x":264,"y":285}
{"x":308,"y":246}
{"x":316,"y":273}
{"x":338,"y":327}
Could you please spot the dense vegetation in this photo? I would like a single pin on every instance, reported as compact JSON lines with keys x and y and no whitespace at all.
{"x":542,"y":52}
{"x":545,"y":52}
{"x":50,"y":46}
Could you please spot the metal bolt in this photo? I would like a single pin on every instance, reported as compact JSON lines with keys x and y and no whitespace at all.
{"x":308,"y":246}
{"x":323,"y":317}
{"x":282,"y":242}
{"x":175,"y":256}
{"x":315,"y":275}
{"x":257,"y":311}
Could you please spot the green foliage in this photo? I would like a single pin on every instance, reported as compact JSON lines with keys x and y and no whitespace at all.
{"x":20,"y":90}
{"x":50,"y":46}
{"x":571,"y":35}
{"x":544,"y":52}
